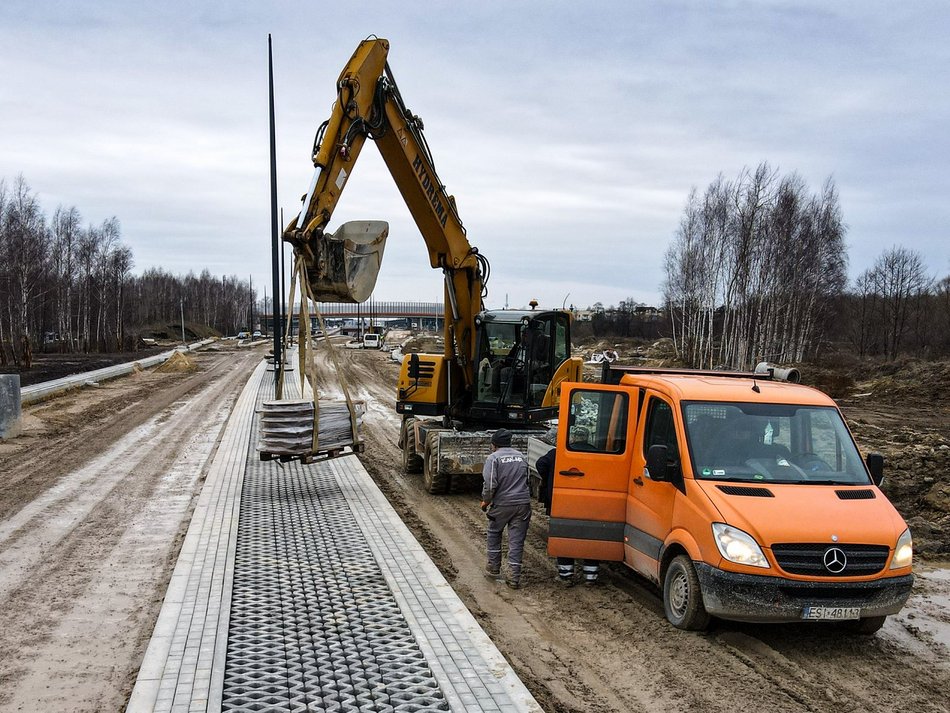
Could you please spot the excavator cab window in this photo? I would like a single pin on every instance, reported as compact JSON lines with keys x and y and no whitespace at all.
{"x":516,"y":359}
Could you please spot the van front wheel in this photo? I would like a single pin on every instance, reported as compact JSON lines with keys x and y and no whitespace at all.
{"x":868,"y":625}
{"x":682,"y":596}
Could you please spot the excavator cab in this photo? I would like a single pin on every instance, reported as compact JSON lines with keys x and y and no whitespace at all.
{"x":348,"y":262}
{"x":518,"y":354}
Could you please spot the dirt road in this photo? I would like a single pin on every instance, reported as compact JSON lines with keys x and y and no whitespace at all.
{"x":96,"y":498}
{"x":609,"y":648}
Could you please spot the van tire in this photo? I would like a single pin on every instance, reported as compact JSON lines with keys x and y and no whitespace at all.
{"x":868,"y":625}
{"x":683,"y":596}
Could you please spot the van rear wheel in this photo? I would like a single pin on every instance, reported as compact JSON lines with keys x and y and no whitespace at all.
{"x":683,"y":597}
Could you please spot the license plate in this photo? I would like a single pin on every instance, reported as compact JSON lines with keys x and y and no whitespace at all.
{"x":831,"y":613}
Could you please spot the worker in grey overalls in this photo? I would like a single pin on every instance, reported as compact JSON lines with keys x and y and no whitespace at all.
{"x":506,"y":500}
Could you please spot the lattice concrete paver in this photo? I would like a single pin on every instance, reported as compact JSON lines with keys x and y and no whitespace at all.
{"x":299,"y":588}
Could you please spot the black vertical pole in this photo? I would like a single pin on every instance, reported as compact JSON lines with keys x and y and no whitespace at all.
{"x":283,"y":287}
{"x":275,"y":240}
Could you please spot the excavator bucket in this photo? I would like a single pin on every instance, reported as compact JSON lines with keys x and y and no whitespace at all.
{"x":348,"y":262}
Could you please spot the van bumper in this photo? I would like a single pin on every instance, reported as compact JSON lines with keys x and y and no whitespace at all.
{"x":757,"y":598}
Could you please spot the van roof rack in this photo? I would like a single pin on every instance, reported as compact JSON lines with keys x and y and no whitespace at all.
{"x":613,"y":373}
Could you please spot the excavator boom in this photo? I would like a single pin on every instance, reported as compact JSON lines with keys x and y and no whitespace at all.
{"x":498,"y":368}
{"x":342,"y":267}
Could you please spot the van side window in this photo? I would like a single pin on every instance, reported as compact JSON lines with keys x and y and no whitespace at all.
{"x":598,"y":422}
{"x":661,"y":429}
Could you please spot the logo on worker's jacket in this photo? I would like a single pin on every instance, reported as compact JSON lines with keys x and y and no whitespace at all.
{"x":835,"y":560}
{"x":429,"y":186}
{"x":511,"y":459}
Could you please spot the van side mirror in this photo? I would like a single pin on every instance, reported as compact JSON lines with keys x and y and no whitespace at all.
{"x":875,"y":462}
{"x":657,"y":463}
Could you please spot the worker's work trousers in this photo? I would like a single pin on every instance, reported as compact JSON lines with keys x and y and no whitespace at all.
{"x":516,"y":519}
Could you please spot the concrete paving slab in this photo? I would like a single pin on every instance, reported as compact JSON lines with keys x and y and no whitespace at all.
{"x":299,"y":588}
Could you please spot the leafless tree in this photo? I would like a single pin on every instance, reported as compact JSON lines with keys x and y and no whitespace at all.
{"x":66,"y":227}
{"x":25,"y":252}
{"x":70,"y":287}
{"x":753,"y":268}
{"x":894,"y":290}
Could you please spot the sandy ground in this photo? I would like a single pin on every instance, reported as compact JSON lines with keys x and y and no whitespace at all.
{"x":98,"y":495}
{"x":96,"y":498}
{"x":609,"y":648}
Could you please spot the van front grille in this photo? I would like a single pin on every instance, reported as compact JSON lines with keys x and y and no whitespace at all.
{"x":810,"y":558}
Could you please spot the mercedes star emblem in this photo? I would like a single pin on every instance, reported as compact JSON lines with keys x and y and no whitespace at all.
{"x":835,"y":560}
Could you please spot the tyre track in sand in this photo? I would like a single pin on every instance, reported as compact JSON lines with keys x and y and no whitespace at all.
{"x":86,"y":557}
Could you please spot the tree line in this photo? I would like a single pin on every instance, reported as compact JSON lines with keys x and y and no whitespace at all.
{"x":69,"y":286}
{"x":757,"y":270}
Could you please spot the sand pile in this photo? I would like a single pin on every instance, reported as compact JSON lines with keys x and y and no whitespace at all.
{"x":177,"y":362}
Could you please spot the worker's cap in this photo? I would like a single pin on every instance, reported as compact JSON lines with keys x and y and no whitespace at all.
{"x":501,"y":438}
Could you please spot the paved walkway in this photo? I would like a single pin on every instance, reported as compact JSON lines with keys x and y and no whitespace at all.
{"x":298,"y":588}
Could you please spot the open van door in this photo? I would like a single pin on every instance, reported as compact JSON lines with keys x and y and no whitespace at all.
{"x":594,"y":446}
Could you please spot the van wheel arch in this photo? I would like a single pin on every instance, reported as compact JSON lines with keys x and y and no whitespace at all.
{"x":669,"y":553}
{"x":682,"y":595}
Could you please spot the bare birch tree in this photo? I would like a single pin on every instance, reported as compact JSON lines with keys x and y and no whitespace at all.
{"x":753,"y":268}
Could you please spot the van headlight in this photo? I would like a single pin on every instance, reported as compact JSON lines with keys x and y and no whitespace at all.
{"x":904,"y":552}
{"x":738,"y":546}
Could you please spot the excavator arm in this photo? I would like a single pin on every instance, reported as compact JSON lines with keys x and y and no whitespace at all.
{"x":342,"y":267}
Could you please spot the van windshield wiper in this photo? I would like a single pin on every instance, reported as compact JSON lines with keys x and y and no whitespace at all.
{"x":832,"y":482}
{"x":729,"y":479}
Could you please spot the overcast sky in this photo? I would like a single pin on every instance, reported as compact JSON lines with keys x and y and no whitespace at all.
{"x":570,"y":133}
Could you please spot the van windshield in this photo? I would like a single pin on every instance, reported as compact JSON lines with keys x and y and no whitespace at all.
{"x":771,"y":443}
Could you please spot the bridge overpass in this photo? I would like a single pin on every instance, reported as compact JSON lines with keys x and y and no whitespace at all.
{"x":417,"y":315}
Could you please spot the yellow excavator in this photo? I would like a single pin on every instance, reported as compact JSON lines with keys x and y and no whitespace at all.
{"x":500,"y":368}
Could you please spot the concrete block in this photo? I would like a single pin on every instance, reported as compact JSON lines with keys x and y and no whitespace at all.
{"x":9,"y":405}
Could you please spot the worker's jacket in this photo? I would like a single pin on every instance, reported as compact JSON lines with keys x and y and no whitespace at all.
{"x":505,"y":477}
{"x":545,"y":468}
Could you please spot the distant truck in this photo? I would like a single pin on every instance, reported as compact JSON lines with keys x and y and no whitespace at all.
{"x":741,"y":496}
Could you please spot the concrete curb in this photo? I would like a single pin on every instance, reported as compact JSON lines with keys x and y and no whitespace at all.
{"x":48,"y":389}
{"x":9,"y":405}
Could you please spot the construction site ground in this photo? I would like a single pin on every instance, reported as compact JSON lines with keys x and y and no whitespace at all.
{"x":87,"y":547}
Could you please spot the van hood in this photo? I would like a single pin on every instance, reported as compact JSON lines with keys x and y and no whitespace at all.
{"x":807,"y":513}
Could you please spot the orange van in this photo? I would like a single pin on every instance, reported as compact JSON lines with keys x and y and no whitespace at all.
{"x":741,"y":496}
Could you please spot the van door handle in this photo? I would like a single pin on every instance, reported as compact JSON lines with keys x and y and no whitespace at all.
{"x":638,"y":480}
{"x":572,"y":473}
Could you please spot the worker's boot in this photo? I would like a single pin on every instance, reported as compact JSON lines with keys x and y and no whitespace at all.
{"x":493,"y":572}
{"x":565,"y":572}
{"x":513,"y":580}
{"x":591,"y":572}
